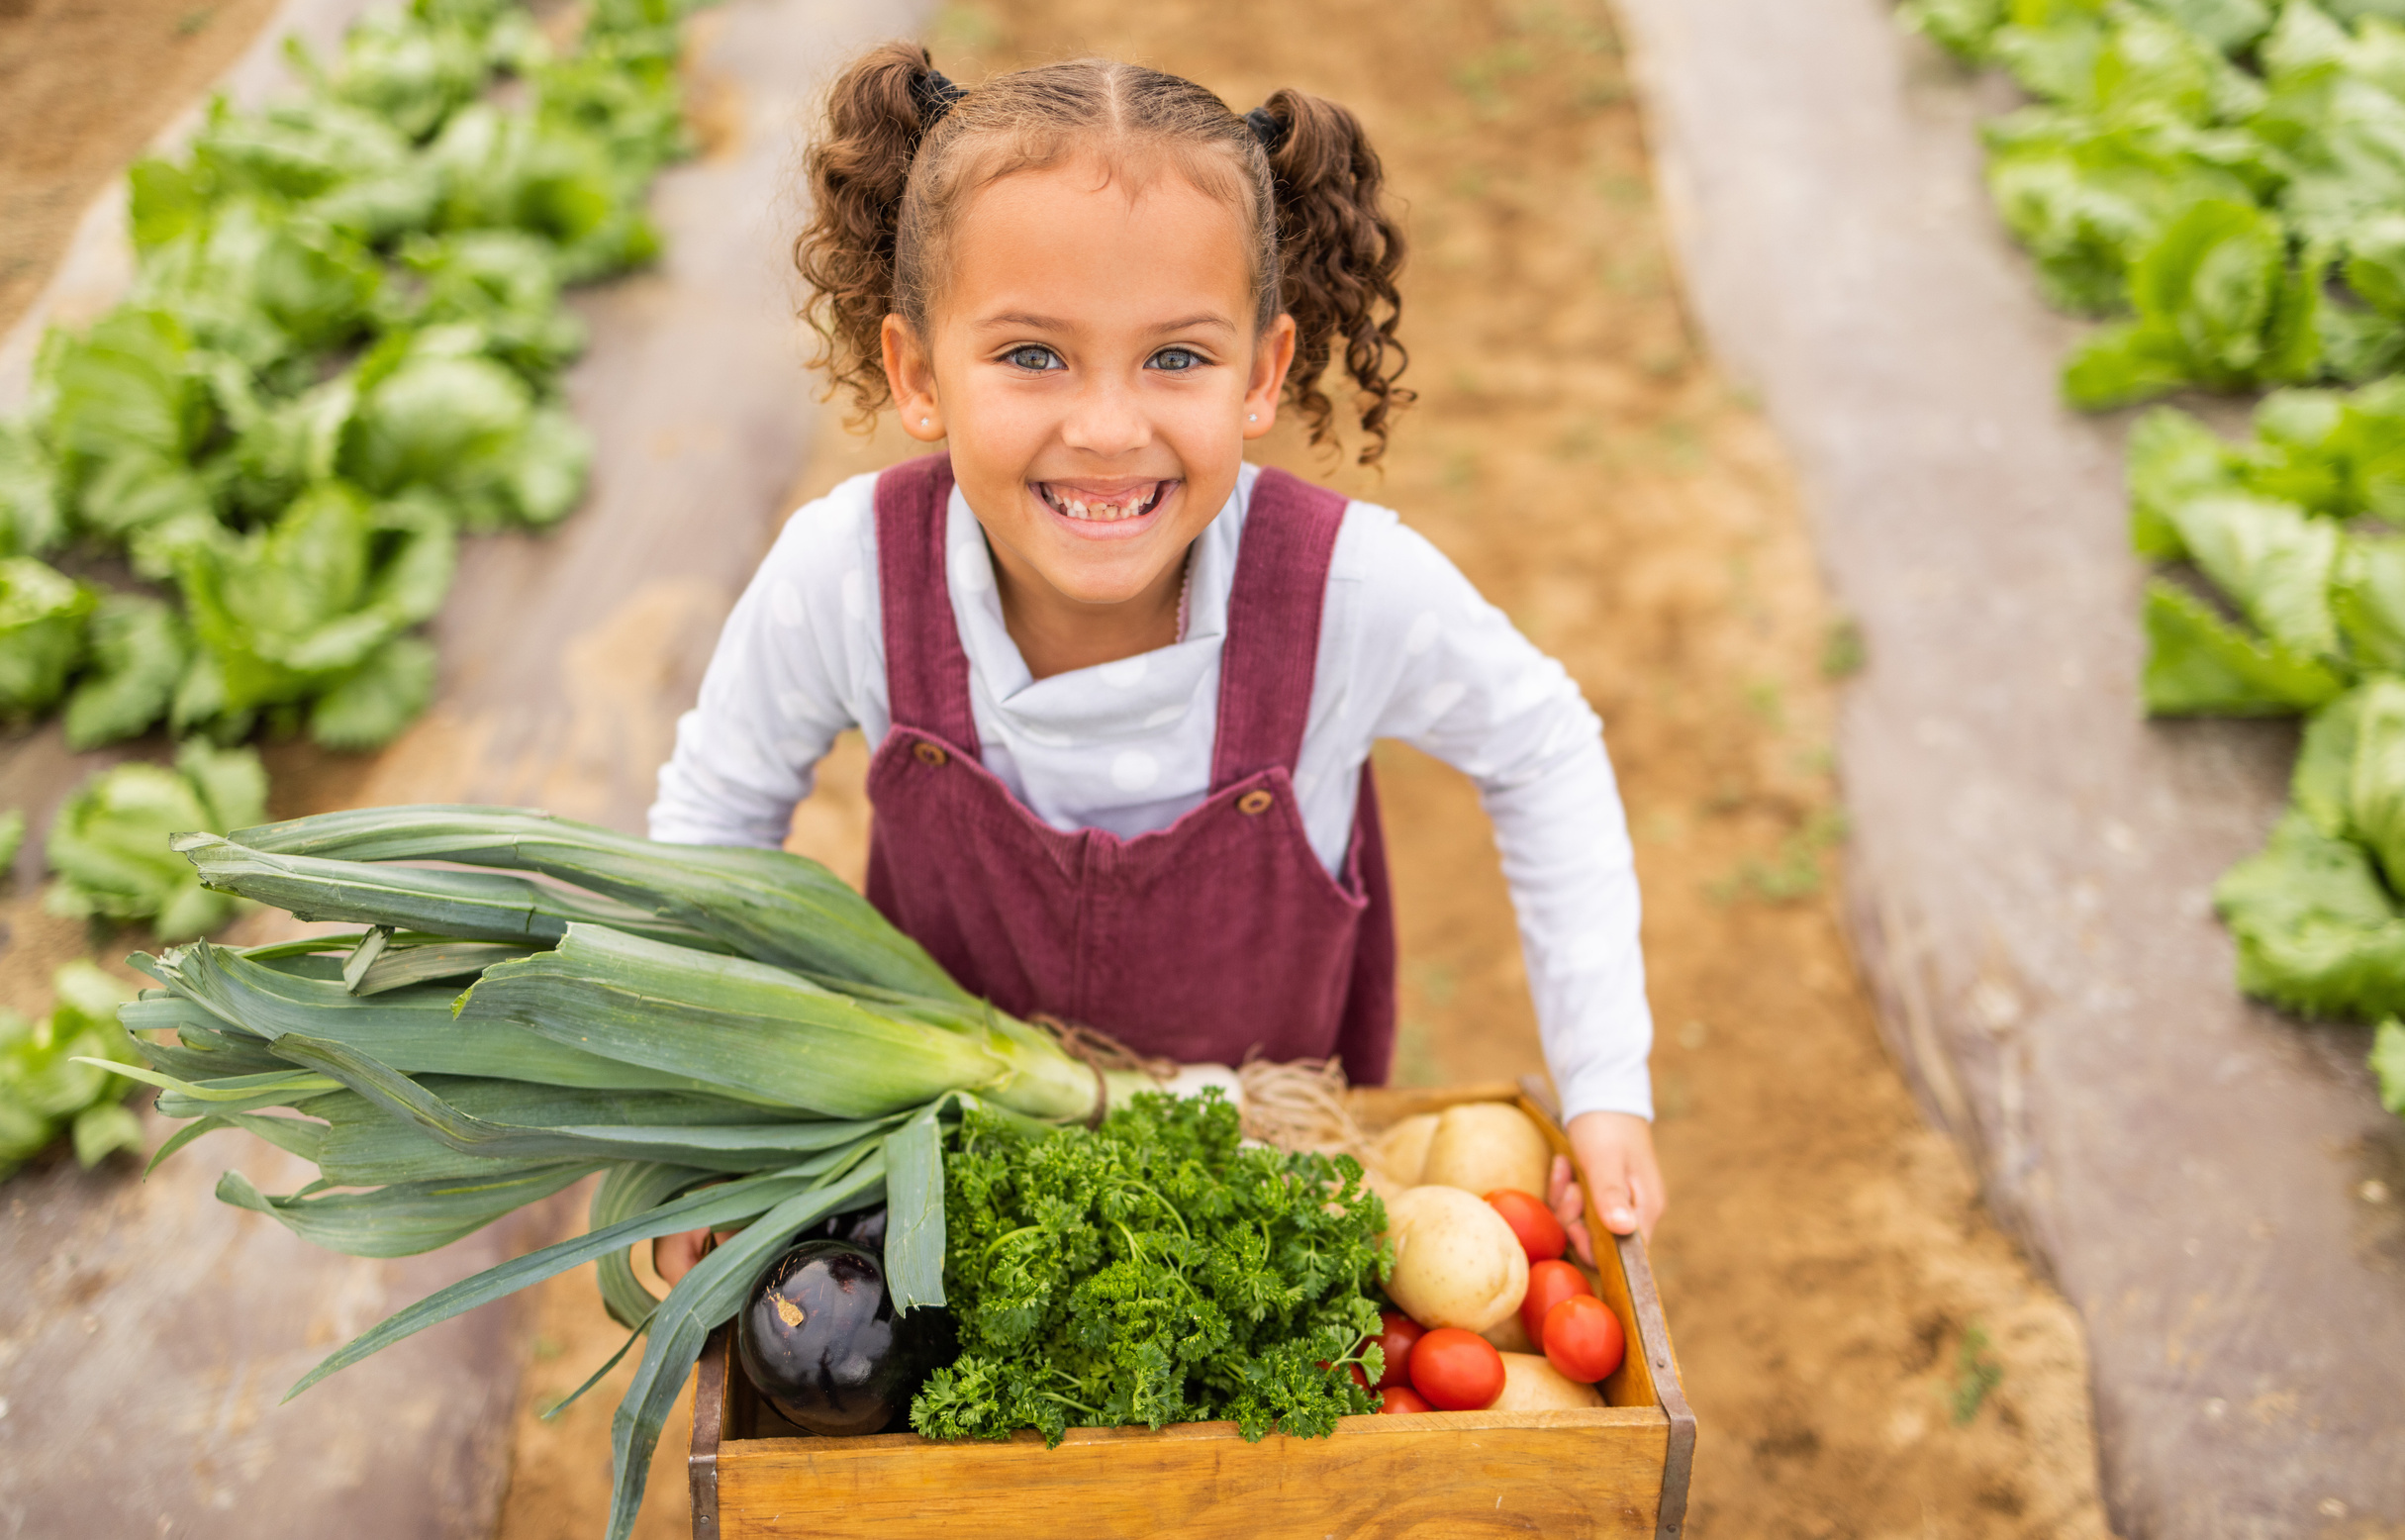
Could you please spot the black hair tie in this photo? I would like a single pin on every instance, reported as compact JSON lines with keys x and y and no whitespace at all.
{"x":1266,"y":127}
{"x":933,"y":96}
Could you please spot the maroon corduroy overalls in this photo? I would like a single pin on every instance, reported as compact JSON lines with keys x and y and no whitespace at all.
{"x":1200,"y":942}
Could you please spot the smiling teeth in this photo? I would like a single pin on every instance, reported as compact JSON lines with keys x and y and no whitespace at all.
{"x":1096,"y":510}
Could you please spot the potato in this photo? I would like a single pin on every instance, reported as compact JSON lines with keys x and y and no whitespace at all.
{"x":1532,"y":1385}
{"x":1480,"y":1147}
{"x":1387,"y":1188}
{"x":1456,"y":1262}
{"x":1404,"y":1149}
{"x":1509,"y":1336}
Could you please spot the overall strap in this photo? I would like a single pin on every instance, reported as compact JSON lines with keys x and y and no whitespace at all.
{"x":1272,"y":650}
{"x":927,"y":670}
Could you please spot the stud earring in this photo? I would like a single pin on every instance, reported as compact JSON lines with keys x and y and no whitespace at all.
{"x":1252,"y":416}
{"x":923,"y":422}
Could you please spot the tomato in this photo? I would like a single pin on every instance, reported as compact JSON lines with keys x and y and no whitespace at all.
{"x":1549,"y":1283}
{"x":1540,"y":1234}
{"x":1583,"y":1339}
{"x":1401,"y":1398}
{"x":1457,"y":1370}
{"x":1398,"y":1331}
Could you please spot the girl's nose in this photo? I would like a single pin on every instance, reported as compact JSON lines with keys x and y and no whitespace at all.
{"x":1106,"y":420}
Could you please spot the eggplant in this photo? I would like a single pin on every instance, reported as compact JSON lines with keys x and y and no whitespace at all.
{"x":862,"y":1228}
{"x":821,"y":1342}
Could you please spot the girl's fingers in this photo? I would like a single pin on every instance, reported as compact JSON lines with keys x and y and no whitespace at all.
{"x":1561,"y":1191}
{"x":1616,"y":1202}
{"x":673,"y":1256}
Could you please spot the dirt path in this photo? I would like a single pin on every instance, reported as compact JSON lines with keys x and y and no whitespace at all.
{"x":83,"y":86}
{"x":1837,"y":1292}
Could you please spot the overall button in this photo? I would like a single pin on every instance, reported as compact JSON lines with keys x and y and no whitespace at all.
{"x":930,"y":755}
{"x":1254,"y":802}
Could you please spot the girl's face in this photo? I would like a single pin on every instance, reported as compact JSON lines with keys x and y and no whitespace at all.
{"x":1094,"y":362}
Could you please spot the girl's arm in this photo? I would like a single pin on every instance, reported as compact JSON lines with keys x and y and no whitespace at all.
{"x":1464,"y":685}
{"x":783,"y":681}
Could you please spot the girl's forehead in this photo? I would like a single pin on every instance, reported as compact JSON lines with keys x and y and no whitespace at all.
{"x":1080,"y":240}
{"x":1101,"y":187}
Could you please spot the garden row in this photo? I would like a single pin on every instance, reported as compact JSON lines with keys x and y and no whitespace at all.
{"x":2224,"y":180}
{"x":234,"y":499}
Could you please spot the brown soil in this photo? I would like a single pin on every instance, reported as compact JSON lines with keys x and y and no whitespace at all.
{"x":1829,"y":1272}
{"x":84,"y":84}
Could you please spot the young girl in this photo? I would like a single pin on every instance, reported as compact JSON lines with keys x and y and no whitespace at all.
{"x":1123,"y":685}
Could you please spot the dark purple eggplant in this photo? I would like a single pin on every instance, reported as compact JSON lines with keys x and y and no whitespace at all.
{"x":823,"y":1343}
{"x":862,"y":1228}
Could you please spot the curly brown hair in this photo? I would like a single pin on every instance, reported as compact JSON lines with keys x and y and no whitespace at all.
{"x":887,"y":190}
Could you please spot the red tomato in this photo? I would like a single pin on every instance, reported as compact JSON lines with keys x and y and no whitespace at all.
{"x":1399,"y":1332}
{"x":1457,"y":1370}
{"x":1540,"y":1234}
{"x":1549,"y":1283}
{"x":1583,"y":1339}
{"x":1401,"y":1398}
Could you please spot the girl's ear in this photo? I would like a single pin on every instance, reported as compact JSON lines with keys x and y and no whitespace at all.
{"x":911,"y":374}
{"x":1271,"y":361}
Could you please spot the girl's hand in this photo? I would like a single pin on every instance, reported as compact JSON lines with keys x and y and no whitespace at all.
{"x":1616,"y":1151}
{"x":673,"y":1256}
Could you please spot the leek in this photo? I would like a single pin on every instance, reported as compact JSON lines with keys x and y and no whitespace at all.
{"x":730,"y":1038}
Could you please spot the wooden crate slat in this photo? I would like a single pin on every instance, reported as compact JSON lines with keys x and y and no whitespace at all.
{"x":1567,"y":1474}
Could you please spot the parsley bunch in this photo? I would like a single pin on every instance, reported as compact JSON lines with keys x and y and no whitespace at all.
{"x":1152,"y":1271}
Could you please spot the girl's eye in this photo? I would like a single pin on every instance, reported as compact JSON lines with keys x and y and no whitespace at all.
{"x":1177,"y":359}
{"x":1033,"y":357}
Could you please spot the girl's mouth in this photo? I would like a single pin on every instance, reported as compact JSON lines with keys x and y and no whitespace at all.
{"x":1083,"y":505}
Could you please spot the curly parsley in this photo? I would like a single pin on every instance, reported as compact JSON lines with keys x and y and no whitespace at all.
{"x":1152,"y":1271}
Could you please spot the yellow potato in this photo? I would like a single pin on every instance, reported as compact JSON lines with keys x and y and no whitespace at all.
{"x":1480,"y":1147}
{"x":1456,"y":1262}
{"x":1386,"y":1187}
{"x":1530,"y":1384}
{"x":1510,"y":1336}
{"x":1404,"y":1149}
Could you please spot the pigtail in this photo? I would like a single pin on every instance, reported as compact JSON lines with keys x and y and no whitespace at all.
{"x":858,"y":167}
{"x":1337,"y":257}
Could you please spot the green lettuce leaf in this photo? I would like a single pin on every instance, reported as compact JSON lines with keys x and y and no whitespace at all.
{"x":2369,"y":600}
{"x":2272,"y":560}
{"x":504,"y":283}
{"x":108,"y":845}
{"x":2201,"y":665}
{"x":128,"y":385}
{"x":466,"y":429}
{"x":2321,"y":786}
{"x":409,"y":74}
{"x":2219,"y":304}
{"x":42,"y":1089}
{"x":44,"y":616}
{"x":33,"y":507}
{"x":381,"y":696}
{"x":2388,"y":1064}
{"x":2172,"y":459}
{"x":508,"y":171}
{"x":2375,"y":784}
{"x":300,"y":609}
{"x":1961,"y":27}
{"x":2086,"y":197}
{"x":2316,"y":931}
{"x":140,"y":652}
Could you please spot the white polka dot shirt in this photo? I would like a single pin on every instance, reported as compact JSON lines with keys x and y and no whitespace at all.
{"x":1408,"y":649}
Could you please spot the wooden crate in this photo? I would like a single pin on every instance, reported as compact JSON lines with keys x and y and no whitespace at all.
{"x":1618,"y":1471}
